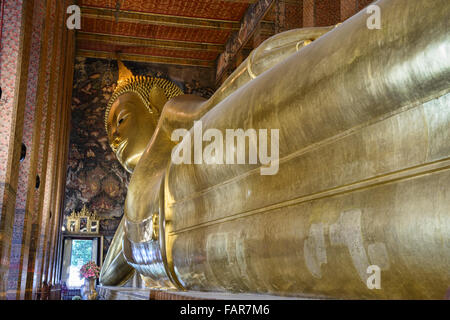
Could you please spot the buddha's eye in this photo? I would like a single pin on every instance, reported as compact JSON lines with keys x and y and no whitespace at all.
{"x":122,"y":117}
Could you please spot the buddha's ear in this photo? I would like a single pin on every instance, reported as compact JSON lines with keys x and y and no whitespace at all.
{"x":158,"y":97}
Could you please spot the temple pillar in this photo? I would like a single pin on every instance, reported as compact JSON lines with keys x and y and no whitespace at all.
{"x":15,"y":49}
{"x":327,"y":13}
{"x":48,"y":168}
{"x":280,"y":16}
{"x":290,"y":15}
{"x":308,"y":13}
{"x":39,"y":142}
{"x":20,"y":240}
{"x":61,"y":149}
{"x":348,"y":8}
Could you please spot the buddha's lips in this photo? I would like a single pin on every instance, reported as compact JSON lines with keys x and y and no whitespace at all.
{"x":120,"y":148}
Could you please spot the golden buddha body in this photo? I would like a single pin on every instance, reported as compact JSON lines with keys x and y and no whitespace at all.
{"x":360,"y":204}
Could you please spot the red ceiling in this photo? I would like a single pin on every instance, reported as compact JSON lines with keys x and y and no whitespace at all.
{"x":209,"y":9}
{"x":201,"y":9}
{"x":132,"y":29}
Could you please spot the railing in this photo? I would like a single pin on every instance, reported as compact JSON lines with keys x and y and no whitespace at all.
{"x":49,"y":293}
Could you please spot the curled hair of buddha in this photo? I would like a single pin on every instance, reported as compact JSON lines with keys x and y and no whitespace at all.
{"x":142,"y":86}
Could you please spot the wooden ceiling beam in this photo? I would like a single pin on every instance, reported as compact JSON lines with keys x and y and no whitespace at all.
{"x":157,"y":19}
{"x":150,"y":43}
{"x":146,"y":58}
{"x":253,"y":1}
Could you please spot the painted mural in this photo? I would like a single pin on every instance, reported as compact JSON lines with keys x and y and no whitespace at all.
{"x":94,"y":176}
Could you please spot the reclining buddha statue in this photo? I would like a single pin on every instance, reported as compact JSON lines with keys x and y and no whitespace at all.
{"x":359,"y":206}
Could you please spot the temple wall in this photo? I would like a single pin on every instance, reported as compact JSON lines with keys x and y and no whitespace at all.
{"x":36,"y":57}
{"x":94,"y":176}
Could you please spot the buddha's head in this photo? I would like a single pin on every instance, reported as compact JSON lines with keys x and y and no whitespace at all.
{"x":132,"y":114}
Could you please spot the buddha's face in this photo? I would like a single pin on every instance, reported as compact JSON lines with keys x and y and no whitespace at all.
{"x":130,"y":128}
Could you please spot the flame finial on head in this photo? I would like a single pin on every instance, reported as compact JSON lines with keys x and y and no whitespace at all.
{"x":124,"y":72}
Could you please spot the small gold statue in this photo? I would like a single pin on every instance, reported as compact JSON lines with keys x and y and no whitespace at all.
{"x":360,"y":205}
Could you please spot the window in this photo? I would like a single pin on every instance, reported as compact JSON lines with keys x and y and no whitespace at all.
{"x":81,"y":254}
{"x":78,"y":250}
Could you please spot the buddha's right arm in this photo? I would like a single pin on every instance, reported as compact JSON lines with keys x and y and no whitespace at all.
{"x":269,"y":53}
{"x":115,"y":270}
